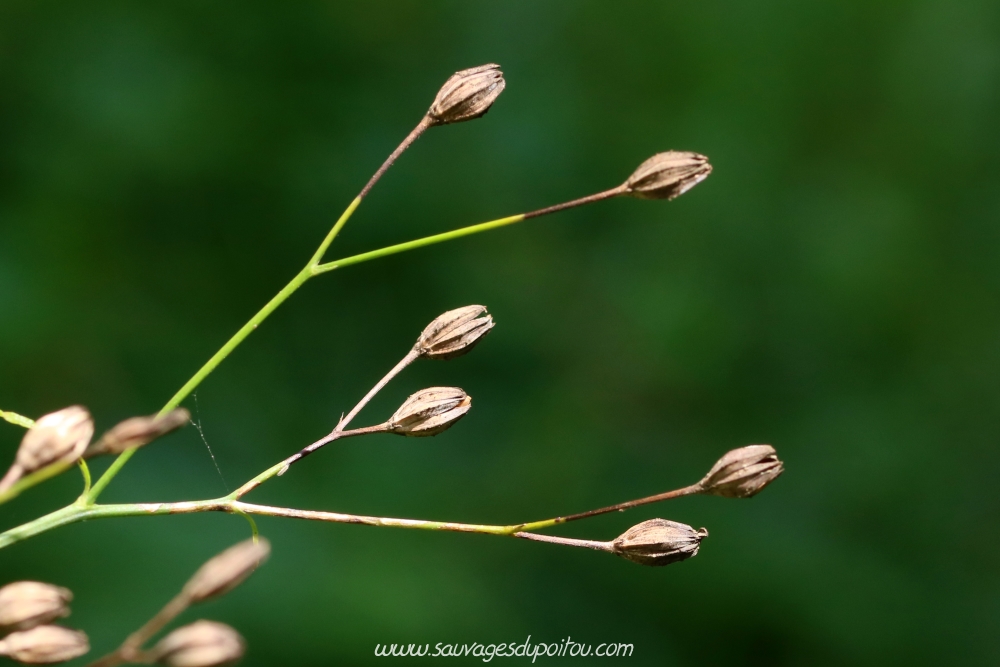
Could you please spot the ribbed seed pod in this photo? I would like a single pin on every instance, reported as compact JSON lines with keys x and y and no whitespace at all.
{"x":743,"y":472}
{"x":467,"y":94}
{"x":430,"y":411}
{"x":659,"y":542}
{"x":454,"y":333}
{"x":668,"y":175}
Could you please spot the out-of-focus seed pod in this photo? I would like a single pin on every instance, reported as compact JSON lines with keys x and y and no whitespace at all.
{"x":668,"y":175}
{"x":200,"y":644}
{"x":25,"y":604}
{"x":228,"y":570}
{"x":44,"y":645}
{"x":139,"y":431}
{"x":57,"y":437}
{"x":454,"y":333}
{"x":467,"y":94}
{"x":430,"y":411}
{"x":659,"y":542}
{"x":743,"y":472}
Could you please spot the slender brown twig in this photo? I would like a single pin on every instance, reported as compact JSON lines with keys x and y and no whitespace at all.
{"x":422,"y":126}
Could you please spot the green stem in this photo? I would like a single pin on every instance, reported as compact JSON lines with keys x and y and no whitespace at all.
{"x":344,"y":217}
{"x":234,"y":342}
{"x":418,"y":243}
{"x":16,"y":419}
{"x":85,"y":471}
{"x":34,"y":478}
{"x":468,"y":231}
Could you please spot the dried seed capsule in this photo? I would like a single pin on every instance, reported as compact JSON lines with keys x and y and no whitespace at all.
{"x":25,"y":604}
{"x":139,"y":431}
{"x":44,"y":645}
{"x":430,"y":411}
{"x":228,"y":570}
{"x":454,"y":333}
{"x":743,"y":472}
{"x":59,"y":436}
{"x":668,"y":175}
{"x":201,"y":644}
{"x":467,"y":94}
{"x":659,"y":542}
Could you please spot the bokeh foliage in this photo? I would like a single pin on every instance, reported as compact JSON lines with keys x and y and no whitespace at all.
{"x":831,"y":289}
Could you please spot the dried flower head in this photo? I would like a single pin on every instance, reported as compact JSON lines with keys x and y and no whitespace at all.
{"x":228,"y":570}
{"x":200,"y":644}
{"x":44,"y":645}
{"x":139,"y":431}
{"x":668,"y":175}
{"x":430,"y":411}
{"x":25,"y":604}
{"x":467,"y":94}
{"x":743,"y":472}
{"x":659,"y":542}
{"x":454,"y":333}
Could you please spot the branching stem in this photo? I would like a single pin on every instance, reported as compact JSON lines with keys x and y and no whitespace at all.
{"x":88,"y":501}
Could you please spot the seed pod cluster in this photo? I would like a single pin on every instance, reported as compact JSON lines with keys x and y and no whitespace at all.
{"x":659,"y":542}
{"x":467,"y":94}
{"x":430,"y":411}
{"x":228,"y":570}
{"x":200,"y":644}
{"x":743,"y":472}
{"x":139,"y":431}
{"x":454,"y":333}
{"x":26,"y":609}
{"x":668,"y":175}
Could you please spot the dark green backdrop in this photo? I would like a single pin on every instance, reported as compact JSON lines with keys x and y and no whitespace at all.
{"x":831,"y":289}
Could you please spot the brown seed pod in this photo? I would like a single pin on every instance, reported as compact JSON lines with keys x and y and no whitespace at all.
{"x":25,"y":604}
{"x":668,"y":175}
{"x":200,"y":644}
{"x":430,"y":411}
{"x":57,"y":437}
{"x":228,"y":570}
{"x":659,"y":542}
{"x":139,"y":431}
{"x":467,"y":94}
{"x":44,"y":645}
{"x":743,"y":472}
{"x":454,"y":333}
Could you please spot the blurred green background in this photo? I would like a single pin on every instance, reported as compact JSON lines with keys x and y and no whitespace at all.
{"x":831,"y":289}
